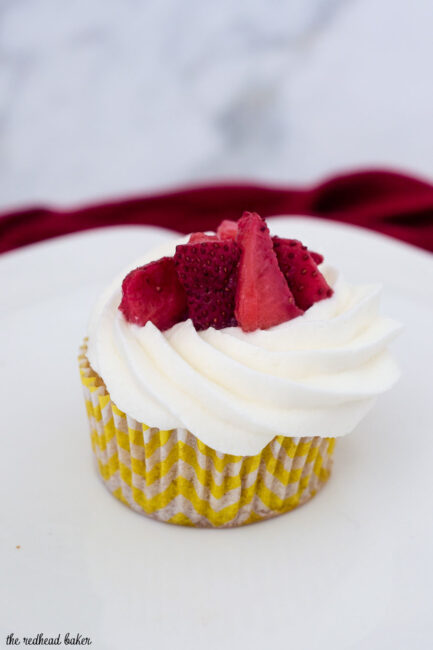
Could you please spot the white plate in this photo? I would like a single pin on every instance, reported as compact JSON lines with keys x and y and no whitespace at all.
{"x":350,"y":569}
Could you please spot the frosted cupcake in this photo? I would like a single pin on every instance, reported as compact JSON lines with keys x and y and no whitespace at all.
{"x":219,"y":371}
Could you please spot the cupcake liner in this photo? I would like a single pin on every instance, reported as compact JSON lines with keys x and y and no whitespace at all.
{"x":174,"y":477}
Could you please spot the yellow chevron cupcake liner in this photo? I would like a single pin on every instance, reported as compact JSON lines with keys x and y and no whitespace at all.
{"x":173,"y":477}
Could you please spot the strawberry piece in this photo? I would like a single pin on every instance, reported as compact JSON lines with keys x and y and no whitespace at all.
{"x":317,"y":257}
{"x":300,"y":270}
{"x":227,"y":229}
{"x":208,"y":272}
{"x":154,"y":293}
{"x":263,"y":298}
{"x":198,"y":237}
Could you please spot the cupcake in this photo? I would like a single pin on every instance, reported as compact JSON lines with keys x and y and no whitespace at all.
{"x":219,"y":370}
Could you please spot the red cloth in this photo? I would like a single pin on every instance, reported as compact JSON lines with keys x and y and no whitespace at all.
{"x":387,"y":202}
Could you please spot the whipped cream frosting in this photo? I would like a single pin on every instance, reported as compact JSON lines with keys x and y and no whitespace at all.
{"x":316,"y":375}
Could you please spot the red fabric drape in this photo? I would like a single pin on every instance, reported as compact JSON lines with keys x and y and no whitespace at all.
{"x":390,"y":203}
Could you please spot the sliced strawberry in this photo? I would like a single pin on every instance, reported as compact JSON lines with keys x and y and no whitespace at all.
{"x":263,"y":298}
{"x":198,"y":237}
{"x":227,"y":229}
{"x":154,"y":293}
{"x":317,"y":257}
{"x":208,"y":272}
{"x":300,"y":270}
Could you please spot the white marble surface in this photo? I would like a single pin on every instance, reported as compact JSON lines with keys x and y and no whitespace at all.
{"x":102,"y":98}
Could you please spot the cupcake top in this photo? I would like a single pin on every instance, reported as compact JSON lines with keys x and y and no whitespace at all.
{"x":239,"y":336}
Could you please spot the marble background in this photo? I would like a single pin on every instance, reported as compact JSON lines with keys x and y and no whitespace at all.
{"x":105,"y":98}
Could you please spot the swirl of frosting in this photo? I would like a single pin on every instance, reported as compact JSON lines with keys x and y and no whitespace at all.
{"x":316,"y":375}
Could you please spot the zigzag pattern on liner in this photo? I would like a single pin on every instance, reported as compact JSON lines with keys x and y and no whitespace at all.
{"x":173,"y":477}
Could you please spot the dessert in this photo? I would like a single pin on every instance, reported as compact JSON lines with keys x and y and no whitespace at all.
{"x":220,"y":369}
